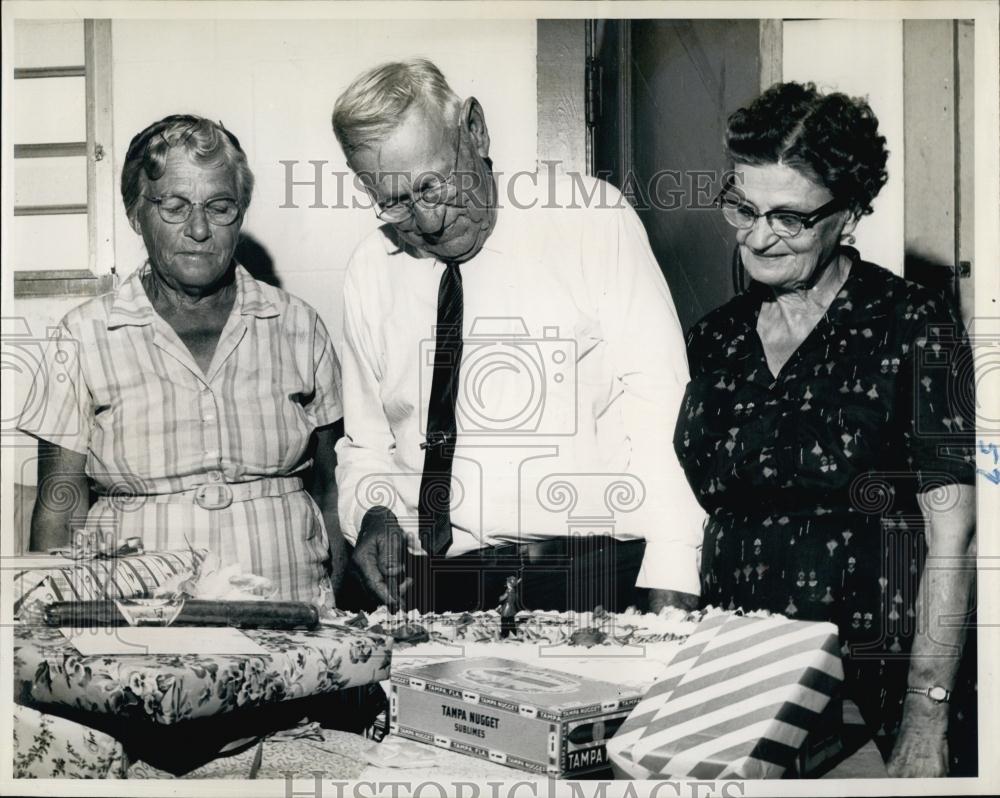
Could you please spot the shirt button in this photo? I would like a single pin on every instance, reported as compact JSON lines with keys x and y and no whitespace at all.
{"x":214,"y":476}
{"x":209,"y":417}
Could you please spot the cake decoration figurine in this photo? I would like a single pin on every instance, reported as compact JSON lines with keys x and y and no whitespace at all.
{"x":510,"y":604}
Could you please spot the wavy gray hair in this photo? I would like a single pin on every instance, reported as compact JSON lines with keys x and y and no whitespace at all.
{"x":204,"y":140}
{"x":371,"y":107}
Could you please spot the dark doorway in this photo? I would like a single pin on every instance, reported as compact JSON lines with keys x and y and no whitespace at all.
{"x":664,"y":89}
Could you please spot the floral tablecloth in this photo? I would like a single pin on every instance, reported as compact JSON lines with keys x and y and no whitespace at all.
{"x":170,"y":688}
{"x":46,"y":747}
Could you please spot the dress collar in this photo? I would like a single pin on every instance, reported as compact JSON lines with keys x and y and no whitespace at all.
{"x":133,"y":308}
{"x":862,"y":296}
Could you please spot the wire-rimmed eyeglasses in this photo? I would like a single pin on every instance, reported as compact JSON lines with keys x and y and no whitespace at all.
{"x":432,"y":196}
{"x":221,"y":211}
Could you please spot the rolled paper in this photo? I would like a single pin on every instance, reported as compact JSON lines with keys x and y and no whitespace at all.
{"x":195,"y":612}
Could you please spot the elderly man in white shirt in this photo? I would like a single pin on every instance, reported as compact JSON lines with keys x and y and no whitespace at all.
{"x":513,"y":366}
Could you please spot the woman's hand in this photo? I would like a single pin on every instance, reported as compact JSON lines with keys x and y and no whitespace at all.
{"x":919,"y":756}
{"x":942,"y":605}
{"x":921,"y":749}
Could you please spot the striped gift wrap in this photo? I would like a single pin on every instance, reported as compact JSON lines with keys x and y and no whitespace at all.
{"x":133,"y":576}
{"x":738,"y":701}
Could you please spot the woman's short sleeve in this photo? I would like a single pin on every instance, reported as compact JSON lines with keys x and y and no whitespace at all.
{"x":57,"y":407}
{"x":326,"y":406}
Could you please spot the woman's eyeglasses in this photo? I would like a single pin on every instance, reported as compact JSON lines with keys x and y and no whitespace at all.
{"x":785,"y":224}
{"x":220,"y":211}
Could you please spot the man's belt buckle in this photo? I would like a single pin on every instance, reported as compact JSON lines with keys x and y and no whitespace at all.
{"x":213,"y":497}
{"x":436,"y":439}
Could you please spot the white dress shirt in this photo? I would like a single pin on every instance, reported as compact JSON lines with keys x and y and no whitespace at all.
{"x":573,"y":371}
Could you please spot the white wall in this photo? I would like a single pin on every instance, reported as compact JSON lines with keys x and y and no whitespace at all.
{"x":273,"y":83}
{"x":860,"y":58}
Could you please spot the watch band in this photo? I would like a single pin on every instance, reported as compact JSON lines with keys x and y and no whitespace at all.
{"x":935,"y":693}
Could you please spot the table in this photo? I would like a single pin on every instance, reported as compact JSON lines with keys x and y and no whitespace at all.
{"x":167,"y":690}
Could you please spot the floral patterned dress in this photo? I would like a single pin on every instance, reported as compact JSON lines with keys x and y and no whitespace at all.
{"x":810,"y":476}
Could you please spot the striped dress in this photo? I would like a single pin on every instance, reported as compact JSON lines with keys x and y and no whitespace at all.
{"x":119,"y":386}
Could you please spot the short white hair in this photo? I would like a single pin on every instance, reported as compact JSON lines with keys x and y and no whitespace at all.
{"x":373,"y":105}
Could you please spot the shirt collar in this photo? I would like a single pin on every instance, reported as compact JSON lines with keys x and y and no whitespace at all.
{"x":862,"y":296}
{"x":133,"y":308}
{"x":498,"y":241}
{"x":250,"y":297}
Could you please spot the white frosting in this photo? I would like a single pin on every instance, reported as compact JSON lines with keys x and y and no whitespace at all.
{"x":630,"y":648}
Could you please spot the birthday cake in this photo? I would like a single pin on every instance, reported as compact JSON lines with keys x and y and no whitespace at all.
{"x":630,"y":648}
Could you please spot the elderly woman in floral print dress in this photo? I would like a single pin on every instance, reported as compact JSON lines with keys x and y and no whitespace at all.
{"x":823,"y":428}
{"x":193,"y":399}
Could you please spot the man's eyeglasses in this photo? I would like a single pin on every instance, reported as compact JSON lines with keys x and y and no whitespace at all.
{"x":785,"y":224}
{"x":221,"y":211}
{"x":440,"y":192}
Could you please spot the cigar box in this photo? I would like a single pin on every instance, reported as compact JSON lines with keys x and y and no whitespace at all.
{"x":535,"y":719}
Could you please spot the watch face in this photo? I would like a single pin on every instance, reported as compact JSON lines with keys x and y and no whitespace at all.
{"x":937,"y":693}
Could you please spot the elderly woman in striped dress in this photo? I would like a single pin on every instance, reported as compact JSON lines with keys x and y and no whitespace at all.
{"x":193,"y":400}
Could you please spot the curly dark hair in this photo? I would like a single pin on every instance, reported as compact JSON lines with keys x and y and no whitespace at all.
{"x":830,"y":137}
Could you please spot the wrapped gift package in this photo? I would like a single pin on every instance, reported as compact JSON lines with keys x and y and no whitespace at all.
{"x":823,"y":743}
{"x":739,"y":700}
{"x":134,"y":576}
{"x":175,"y":687}
{"x":534,"y":719}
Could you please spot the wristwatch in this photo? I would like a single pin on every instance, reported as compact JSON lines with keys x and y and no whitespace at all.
{"x":935,"y":693}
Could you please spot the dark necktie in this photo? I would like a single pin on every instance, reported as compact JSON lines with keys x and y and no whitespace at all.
{"x":439,"y":450}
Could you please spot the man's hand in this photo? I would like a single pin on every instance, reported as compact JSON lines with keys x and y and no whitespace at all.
{"x":661,"y":599}
{"x":380,"y":555}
